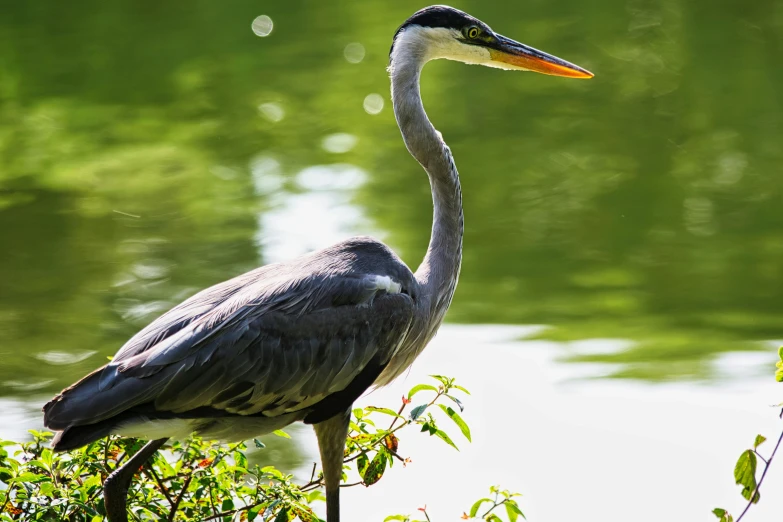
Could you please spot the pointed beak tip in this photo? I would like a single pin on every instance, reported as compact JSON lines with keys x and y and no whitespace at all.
{"x":586,"y":75}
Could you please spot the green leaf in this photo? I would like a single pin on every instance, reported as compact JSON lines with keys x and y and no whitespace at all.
{"x":460,"y":388}
{"x":745,"y":474}
{"x":493,"y":518}
{"x":281,"y":433}
{"x":442,"y":435}
{"x":253,"y":512}
{"x":375,"y":469}
{"x":759,"y":441}
{"x":457,"y":402}
{"x":780,"y":353}
{"x":476,"y":506}
{"x":241,"y":460}
{"x":316,"y":494}
{"x":94,"y":480}
{"x":47,"y":489}
{"x":395,"y":517}
{"x":453,"y":415}
{"x":361,"y":463}
{"x":259,"y":444}
{"x":385,"y":411}
{"x":421,"y":387}
{"x":722,"y":515}
{"x":29,"y":477}
{"x":417,"y":411}
{"x":284,"y":515}
{"x":513,"y":511}
{"x":305,"y":514}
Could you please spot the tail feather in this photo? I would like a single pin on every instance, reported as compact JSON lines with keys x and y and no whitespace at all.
{"x":87,"y":403}
{"x":75,"y":437}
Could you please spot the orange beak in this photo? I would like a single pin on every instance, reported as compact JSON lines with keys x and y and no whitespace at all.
{"x":509,"y":54}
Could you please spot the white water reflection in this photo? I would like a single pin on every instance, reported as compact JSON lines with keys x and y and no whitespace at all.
{"x":578,"y":449}
{"x":339,"y":143}
{"x":297,"y":223}
{"x":266,"y":175}
{"x":331,"y":177}
{"x":59,"y":358}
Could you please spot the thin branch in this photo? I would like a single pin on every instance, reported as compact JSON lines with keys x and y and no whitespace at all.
{"x":311,"y":486}
{"x":185,"y":485}
{"x":211,"y":500}
{"x":760,"y":457}
{"x":147,"y":470}
{"x":106,"y":453}
{"x":763,"y":474}
{"x":7,"y":497}
{"x":399,"y":413}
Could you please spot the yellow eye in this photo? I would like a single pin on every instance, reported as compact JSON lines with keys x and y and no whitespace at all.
{"x":473,"y":32}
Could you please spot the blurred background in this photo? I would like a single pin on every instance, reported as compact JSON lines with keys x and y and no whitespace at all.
{"x":148,"y":150}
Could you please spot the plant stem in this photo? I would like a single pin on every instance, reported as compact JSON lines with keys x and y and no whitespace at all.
{"x":185,"y":485}
{"x":7,"y":498}
{"x":147,"y":470}
{"x":763,"y":474}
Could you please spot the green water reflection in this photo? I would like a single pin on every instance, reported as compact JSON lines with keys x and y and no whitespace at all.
{"x":144,"y":148}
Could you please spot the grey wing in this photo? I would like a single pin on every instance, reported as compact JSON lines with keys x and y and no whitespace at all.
{"x":274,"y":346}
{"x":187,"y":312}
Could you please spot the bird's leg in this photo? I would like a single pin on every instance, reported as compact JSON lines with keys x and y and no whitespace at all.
{"x":331,"y":435}
{"x":115,"y":487}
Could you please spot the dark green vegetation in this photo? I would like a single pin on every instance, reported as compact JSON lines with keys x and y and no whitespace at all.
{"x":644,"y":204}
{"x":199,"y":480}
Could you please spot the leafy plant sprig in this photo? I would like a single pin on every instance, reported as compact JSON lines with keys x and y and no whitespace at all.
{"x":201,"y":480}
{"x":747,"y":465}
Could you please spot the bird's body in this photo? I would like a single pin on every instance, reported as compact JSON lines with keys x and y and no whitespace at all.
{"x":301,"y":340}
{"x":285,"y":342}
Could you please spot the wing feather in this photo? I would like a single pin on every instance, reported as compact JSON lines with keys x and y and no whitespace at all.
{"x":268,"y":347}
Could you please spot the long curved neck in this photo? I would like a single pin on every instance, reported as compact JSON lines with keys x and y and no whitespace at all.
{"x":439,"y":271}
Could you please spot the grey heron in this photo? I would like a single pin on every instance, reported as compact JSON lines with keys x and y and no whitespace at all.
{"x":299,"y":340}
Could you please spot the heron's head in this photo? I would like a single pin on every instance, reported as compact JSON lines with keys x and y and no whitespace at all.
{"x":444,"y":32}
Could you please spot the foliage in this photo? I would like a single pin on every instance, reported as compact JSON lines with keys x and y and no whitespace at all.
{"x":747,"y":465}
{"x":202,"y":480}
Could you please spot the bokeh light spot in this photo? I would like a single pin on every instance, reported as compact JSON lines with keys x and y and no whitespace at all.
{"x":271,"y":111}
{"x":262,"y":25}
{"x":354,"y":52}
{"x":339,"y":143}
{"x":373,"y":103}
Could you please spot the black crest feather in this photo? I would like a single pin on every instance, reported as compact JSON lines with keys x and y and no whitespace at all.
{"x":436,"y":16}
